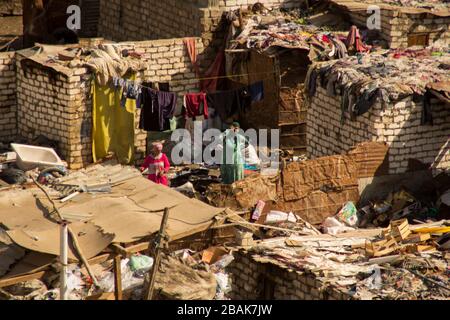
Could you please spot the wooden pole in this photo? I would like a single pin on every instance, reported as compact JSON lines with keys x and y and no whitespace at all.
{"x":64,"y":243}
{"x":117,"y":277}
{"x":148,"y":293}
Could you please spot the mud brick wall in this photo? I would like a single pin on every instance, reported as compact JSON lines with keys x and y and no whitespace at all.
{"x":396,"y":27}
{"x":235,"y":4}
{"x":253,"y":280}
{"x":8,"y":103}
{"x":152,"y":19}
{"x":10,"y":7}
{"x":60,"y":108}
{"x":146,"y":20}
{"x":397,"y":124}
{"x":55,"y":106}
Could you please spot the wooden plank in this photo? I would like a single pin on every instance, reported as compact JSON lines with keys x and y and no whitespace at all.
{"x":11,"y":281}
{"x":117,"y":278}
{"x":148,"y":292}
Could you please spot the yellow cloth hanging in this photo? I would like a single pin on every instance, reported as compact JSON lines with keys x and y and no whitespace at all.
{"x":113,"y":125}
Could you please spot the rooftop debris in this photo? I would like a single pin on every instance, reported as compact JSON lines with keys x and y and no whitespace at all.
{"x":339,"y":262}
{"x":387,"y":76}
{"x":268,"y":33}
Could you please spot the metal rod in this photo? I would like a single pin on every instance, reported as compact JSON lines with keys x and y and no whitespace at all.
{"x":64,"y":243}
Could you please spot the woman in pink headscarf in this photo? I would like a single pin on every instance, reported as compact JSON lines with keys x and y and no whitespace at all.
{"x":157,"y":164}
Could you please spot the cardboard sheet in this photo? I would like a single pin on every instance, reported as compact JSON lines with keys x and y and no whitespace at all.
{"x":371,"y":158}
{"x":125,"y":215}
{"x":91,"y":240}
{"x":328,"y":174}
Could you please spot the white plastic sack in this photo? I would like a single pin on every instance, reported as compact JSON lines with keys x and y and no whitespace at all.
{"x":128,"y":280}
{"x":223,"y":282}
{"x":251,"y":156}
{"x":333,"y":226}
{"x":279,"y":216}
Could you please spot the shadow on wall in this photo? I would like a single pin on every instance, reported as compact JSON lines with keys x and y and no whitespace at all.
{"x":416,"y":153}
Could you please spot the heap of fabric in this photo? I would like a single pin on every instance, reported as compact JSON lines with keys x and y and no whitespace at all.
{"x":389,"y":76}
{"x":268,"y":34}
{"x":108,"y":62}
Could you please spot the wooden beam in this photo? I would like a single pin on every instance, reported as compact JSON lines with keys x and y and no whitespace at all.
{"x":12,"y":281}
{"x":118,"y":278}
{"x":148,"y":292}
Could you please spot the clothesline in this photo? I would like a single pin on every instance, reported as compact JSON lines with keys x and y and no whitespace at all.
{"x":209,"y":78}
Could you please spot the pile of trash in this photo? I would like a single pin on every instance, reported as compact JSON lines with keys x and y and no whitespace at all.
{"x":342,"y":263}
{"x":386,"y":76}
{"x":266,"y":33}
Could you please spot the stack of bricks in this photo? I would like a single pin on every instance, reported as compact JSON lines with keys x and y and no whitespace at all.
{"x":398,"y":124}
{"x":60,"y":107}
{"x":8,"y":108}
{"x":396,"y":26}
{"x":249,"y":277}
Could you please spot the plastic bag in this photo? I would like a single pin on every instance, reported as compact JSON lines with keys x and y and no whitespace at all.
{"x":140,"y":262}
{"x":223,"y":282}
{"x":223,"y":262}
{"x":128,"y":279}
{"x":333,"y":226}
{"x":279,"y":216}
{"x":348,"y":214}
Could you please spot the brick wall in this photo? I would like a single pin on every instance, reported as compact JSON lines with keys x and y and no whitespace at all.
{"x":397,"y":26}
{"x":54,"y":106}
{"x":252,"y":280}
{"x":8,"y":105}
{"x":10,"y":7}
{"x":235,"y":4}
{"x":60,"y":108}
{"x":152,"y":19}
{"x":398,"y":124}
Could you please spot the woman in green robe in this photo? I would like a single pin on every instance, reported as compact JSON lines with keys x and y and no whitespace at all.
{"x":232,"y":168}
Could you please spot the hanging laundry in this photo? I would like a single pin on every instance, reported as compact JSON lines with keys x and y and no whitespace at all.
{"x":158,"y":107}
{"x":195,"y":104}
{"x":211,"y":76}
{"x":225,"y":103}
{"x":112,"y":127}
{"x":256,"y":91}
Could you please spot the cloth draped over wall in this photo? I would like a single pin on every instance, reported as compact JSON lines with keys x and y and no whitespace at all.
{"x":112,"y":125}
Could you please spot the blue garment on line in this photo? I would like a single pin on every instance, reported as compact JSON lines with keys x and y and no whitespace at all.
{"x":256,"y":91}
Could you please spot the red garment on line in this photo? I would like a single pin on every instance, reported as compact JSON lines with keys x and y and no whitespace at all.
{"x":193,"y":102}
{"x":216,"y":69}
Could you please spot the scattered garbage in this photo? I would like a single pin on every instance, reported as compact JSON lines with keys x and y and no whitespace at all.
{"x":278,"y":216}
{"x":348,"y":214}
{"x":333,"y":226}
{"x":140,"y":264}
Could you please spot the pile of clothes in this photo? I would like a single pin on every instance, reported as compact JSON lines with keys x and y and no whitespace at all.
{"x":265,"y":34}
{"x":389,"y":75}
